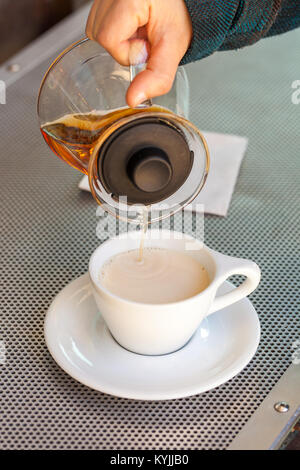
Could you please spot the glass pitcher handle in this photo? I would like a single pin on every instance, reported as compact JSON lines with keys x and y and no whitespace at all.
{"x":135,"y":66}
{"x":134,"y":71}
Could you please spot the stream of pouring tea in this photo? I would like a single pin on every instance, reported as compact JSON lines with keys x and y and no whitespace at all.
{"x":144,"y":227}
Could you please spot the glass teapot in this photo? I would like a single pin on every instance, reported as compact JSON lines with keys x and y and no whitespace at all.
{"x":148,"y":157}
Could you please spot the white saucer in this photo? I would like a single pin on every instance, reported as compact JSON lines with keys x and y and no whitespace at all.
{"x":81,"y":344}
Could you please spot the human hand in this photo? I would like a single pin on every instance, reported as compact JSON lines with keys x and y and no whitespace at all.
{"x":132,"y":30}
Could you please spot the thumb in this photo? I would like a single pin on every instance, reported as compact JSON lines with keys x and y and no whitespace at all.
{"x":159,"y":75}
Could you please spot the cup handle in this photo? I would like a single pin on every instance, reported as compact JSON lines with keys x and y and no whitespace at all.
{"x":231,"y":266}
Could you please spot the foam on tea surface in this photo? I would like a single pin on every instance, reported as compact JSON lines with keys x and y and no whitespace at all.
{"x":162,"y":276}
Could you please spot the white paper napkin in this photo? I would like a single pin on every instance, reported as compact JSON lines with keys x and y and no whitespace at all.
{"x":226,"y":152}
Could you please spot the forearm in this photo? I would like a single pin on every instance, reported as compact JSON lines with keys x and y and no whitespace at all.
{"x":231,"y":24}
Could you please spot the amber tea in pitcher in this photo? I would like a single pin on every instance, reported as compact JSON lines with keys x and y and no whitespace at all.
{"x":73,"y":137}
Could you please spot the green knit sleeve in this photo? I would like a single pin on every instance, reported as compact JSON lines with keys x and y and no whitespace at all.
{"x":211,"y":21}
{"x":220,"y":25}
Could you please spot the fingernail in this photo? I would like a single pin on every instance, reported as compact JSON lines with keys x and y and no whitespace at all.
{"x":140,"y":98}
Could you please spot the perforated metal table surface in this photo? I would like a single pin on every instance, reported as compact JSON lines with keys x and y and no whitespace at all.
{"x":48,"y":231}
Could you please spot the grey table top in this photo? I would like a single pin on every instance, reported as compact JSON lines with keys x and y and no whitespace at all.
{"x":48,"y":231}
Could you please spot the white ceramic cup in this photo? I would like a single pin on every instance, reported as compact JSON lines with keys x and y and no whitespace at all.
{"x":155,"y":329}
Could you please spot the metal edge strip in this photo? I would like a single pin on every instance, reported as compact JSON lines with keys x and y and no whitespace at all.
{"x":51,"y":42}
{"x":267,"y":428}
